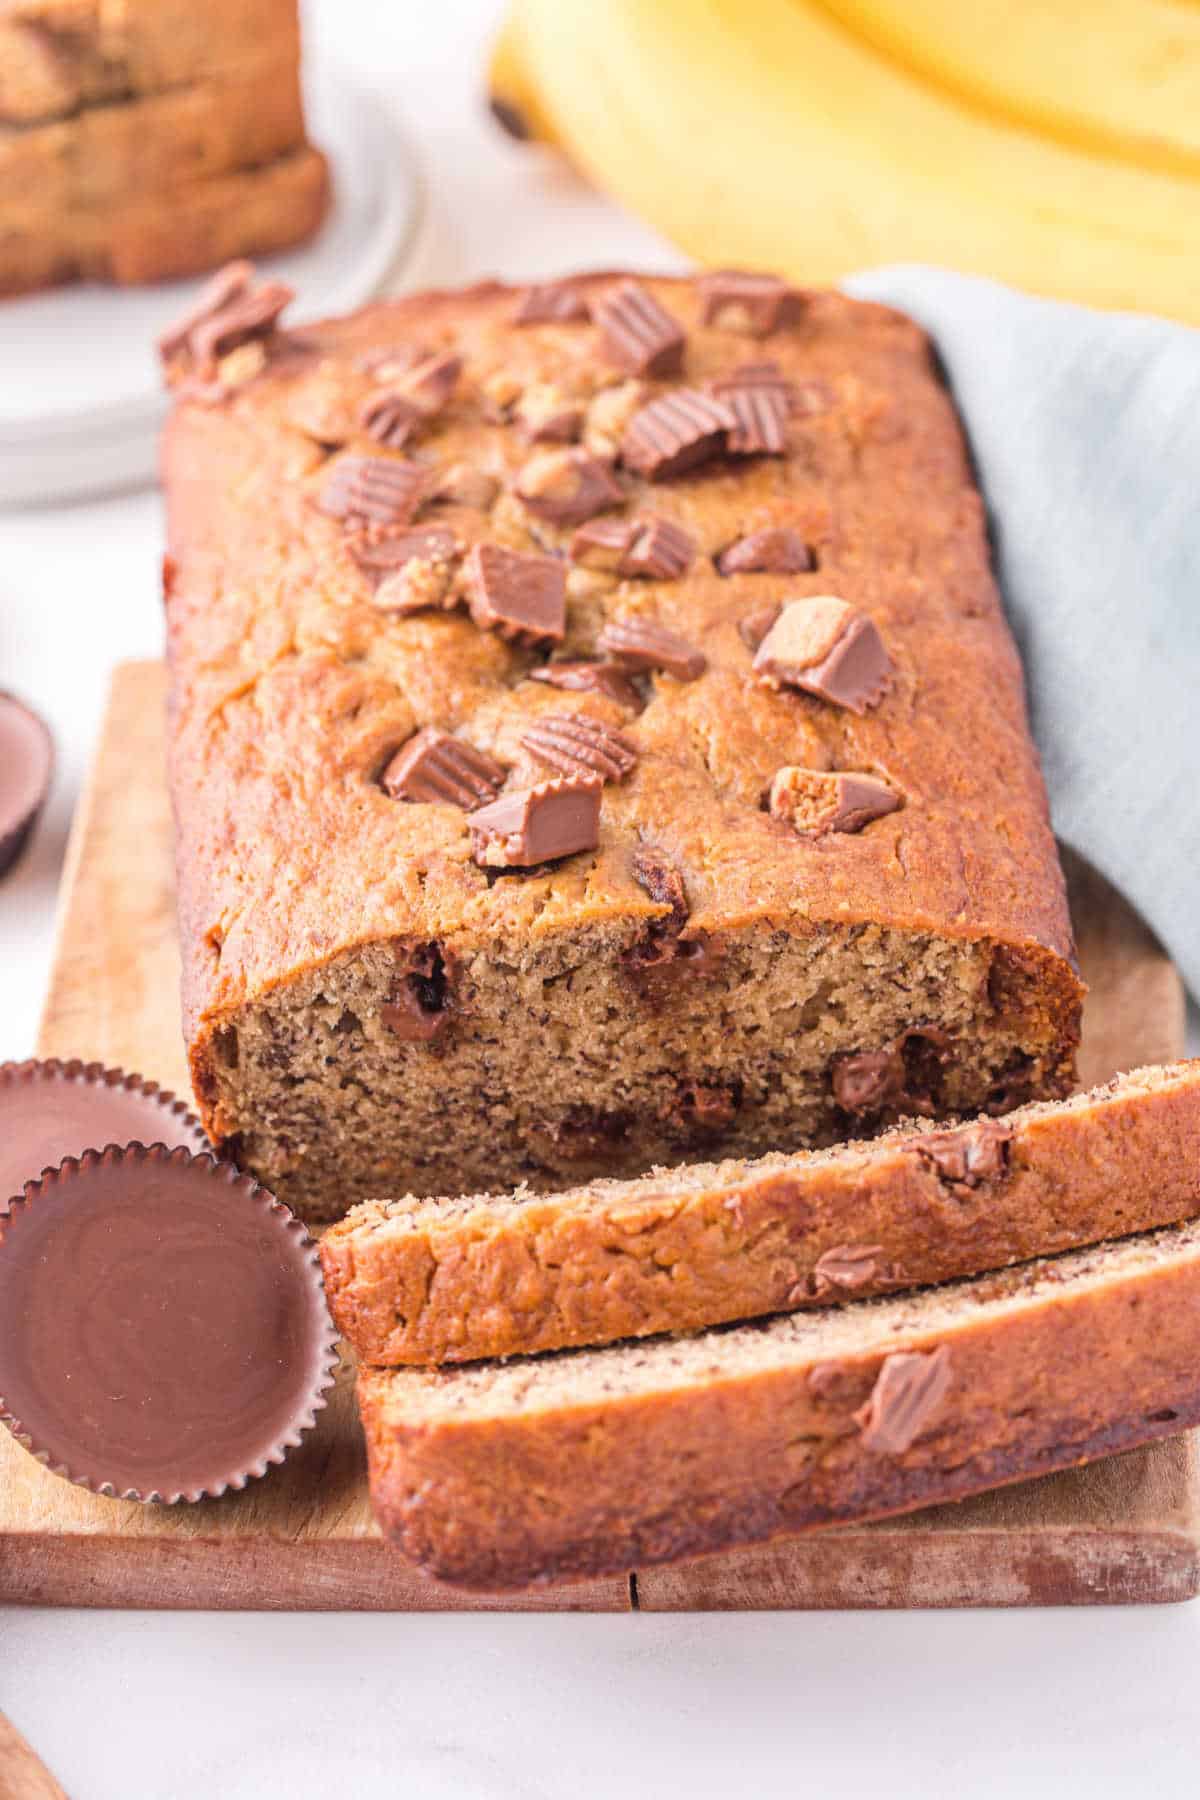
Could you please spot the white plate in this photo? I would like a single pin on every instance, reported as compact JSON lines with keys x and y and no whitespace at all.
{"x":80,"y":399}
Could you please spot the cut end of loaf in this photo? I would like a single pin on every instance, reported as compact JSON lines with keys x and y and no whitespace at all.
{"x":430,"y":1069}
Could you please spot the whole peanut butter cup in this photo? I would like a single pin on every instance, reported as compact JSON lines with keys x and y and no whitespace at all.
{"x":50,"y":1110}
{"x":163,"y":1328}
{"x":26,"y":766}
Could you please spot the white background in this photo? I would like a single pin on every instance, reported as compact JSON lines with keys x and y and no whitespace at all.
{"x":522,"y":1708}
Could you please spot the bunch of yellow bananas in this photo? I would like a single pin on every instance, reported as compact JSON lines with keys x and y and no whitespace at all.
{"x":1053,"y":144}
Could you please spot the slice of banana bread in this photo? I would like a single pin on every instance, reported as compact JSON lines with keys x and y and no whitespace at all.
{"x":181,"y":233}
{"x":114,"y":155}
{"x":592,"y":1461}
{"x":414,"y":1281}
{"x":595,"y":740}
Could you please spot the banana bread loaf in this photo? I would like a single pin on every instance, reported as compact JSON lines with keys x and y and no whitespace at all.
{"x":594,"y":1461}
{"x":595,"y":740}
{"x":456,"y":1280}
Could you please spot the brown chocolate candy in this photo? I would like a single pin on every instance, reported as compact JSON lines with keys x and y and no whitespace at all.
{"x":428,"y":384}
{"x":814,"y":801}
{"x":846,"y":1267}
{"x":968,"y":1156}
{"x":230,"y":311}
{"x":753,"y":628}
{"x":777,"y":550}
{"x":760,"y":421}
{"x":416,"y":1009}
{"x":433,"y":767}
{"x":866,"y":1081}
{"x":764,"y":377}
{"x":537,"y":825}
{"x":565,"y":487}
{"x":755,"y":304}
{"x":224,"y":289}
{"x":637,"y":333}
{"x":908,"y":1394}
{"x":641,"y":644}
{"x":577,"y":744}
{"x":381,"y":557}
{"x":165,"y":1335}
{"x":648,"y":546}
{"x":607,"y":678}
{"x":389,"y":419}
{"x":26,"y":768}
{"x":50,"y":1110}
{"x":703,"y":1109}
{"x":373,"y":490}
{"x":522,"y":597}
{"x":826,"y":648}
{"x":551,"y":303}
{"x":675,"y":433}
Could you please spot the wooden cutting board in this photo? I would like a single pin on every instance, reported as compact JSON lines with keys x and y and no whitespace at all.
{"x":1125,"y":1529}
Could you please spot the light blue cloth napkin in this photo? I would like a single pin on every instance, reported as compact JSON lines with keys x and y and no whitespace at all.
{"x":1085,"y":428}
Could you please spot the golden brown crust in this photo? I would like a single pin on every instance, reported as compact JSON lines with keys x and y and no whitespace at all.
{"x":181,"y":233}
{"x":1042,"y":1369}
{"x":291,"y":690}
{"x":410,"y":1284}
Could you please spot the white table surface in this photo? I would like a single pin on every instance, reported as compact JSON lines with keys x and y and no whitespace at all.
{"x":522,"y":1708}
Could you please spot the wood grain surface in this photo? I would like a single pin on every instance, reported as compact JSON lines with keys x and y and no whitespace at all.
{"x":1126,"y":1529}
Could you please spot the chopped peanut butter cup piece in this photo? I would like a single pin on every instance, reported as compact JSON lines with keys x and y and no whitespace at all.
{"x":551,"y":303}
{"x":421,"y":575}
{"x":754,"y":304}
{"x":607,"y":678}
{"x":968,"y":1156}
{"x":777,"y":550}
{"x":575,"y":744}
{"x":814,"y":802}
{"x":760,"y":421}
{"x":908,"y":1394}
{"x":753,"y":628}
{"x":640,"y":644}
{"x":660,"y":550}
{"x":867,"y":1080}
{"x":637,"y":333}
{"x":565,"y":487}
{"x":418,"y":1004}
{"x":373,"y":490}
{"x":434,"y":767}
{"x":827,"y":649}
{"x":676,"y":433}
{"x":845,"y":1268}
{"x":602,"y":544}
{"x":430,"y":382}
{"x":522,"y":597}
{"x":763,"y":377}
{"x":648,"y":546}
{"x":230,"y":311}
{"x":538,"y":824}
{"x":380,"y":557}
{"x":390,"y":419}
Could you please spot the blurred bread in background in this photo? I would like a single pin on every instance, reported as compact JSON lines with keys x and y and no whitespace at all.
{"x":145,"y":139}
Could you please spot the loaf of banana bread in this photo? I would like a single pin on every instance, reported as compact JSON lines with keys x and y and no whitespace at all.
{"x":596,"y":740}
